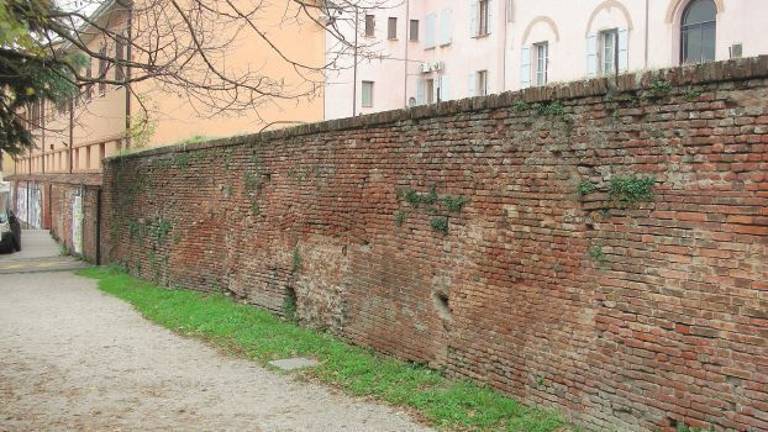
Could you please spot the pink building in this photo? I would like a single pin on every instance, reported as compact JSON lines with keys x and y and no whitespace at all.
{"x":417,"y":52}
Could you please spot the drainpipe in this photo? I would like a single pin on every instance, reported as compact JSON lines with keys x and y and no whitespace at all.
{"x":504,"y":15}
{"x":42,"y":131}
{"x":407,"y":42}
{"x":127,"y":68}
{"x":645,"y":64}
{"x":71,"y":133}
{"x":98,"y":225}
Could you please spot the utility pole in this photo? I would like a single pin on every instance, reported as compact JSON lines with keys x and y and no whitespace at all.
{"x":354,"y":68}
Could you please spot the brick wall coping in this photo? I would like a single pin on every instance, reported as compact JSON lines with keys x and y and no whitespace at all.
{"x":88,"y":179}
{"x":730,"y":70}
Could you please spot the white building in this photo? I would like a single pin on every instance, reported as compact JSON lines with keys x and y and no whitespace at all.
{"x":430,"y":50}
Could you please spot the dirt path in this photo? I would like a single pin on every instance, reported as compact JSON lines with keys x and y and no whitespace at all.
{"x":72,"y":358}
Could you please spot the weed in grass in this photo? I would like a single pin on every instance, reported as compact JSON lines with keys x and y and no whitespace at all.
{"x":261,"y":336}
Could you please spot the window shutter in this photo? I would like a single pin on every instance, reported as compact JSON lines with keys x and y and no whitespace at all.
{"x":473,"y":16}
{"x":446,"y":26}
{"x":429,"y":37}
{"x":444,"y":91}
{"x":525,"y":67}
{"x":491,"y":23}
{"x":623,"y":50}
{"x":435,"y":89}
{"x":420,"y":92}
{"x":592,"y":55}
{"x":471,"y":85}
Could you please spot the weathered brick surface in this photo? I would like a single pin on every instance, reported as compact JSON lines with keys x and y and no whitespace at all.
{"x":668,"y":323}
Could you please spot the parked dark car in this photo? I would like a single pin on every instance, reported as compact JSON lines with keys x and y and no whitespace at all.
{"x":10,"y":232}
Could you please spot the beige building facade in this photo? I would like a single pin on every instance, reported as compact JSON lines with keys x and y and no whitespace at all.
{"x":107,"y":119}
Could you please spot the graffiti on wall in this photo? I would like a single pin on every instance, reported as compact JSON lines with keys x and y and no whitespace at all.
{"x":77,"y":222}
{"x":29,"y":200}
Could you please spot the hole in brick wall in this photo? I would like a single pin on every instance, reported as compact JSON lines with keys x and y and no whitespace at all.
{"x":443,"y":307}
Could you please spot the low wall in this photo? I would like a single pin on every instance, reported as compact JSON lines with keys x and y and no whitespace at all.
{"x":514,"y":239}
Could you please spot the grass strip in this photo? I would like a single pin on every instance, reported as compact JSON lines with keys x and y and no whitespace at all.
{"x":446,"y":403}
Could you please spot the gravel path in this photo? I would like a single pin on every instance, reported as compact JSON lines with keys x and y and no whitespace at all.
{"x":73,"y":358}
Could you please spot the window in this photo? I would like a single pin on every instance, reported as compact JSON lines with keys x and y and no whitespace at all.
{"x":370,"y":22}
{"x":119,"y":53}
{"x":89,"y":85}
{"x":102,"y":70}
{"x":88,"y":157}
{"x":483,"y":18}
{"x":367,"y":94}
{"x":446,"y":26}
{"x":392,"y":28}
{"x":482,"y":83}
{"x":541,"y":62}
{"x":429,"y":91}
{"x":102,"y":154}
{"x":608,"y":56}
{"x":414,"y":31}
{"x":429,"y":30}
{"x":697,"y":32}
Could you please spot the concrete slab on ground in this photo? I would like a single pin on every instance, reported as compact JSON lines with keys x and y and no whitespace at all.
{"x":294,"y":363}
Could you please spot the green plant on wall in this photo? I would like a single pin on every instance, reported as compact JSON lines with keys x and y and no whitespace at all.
{"x":586,"y":187}
{"x":435,"y":205}
{"x":520,"y":105}
{"x":454,"y":204}
{"x":597,"y":254}
{"x":440,"y":224}
{"x":660,"y":88}
{"x":296,"y":260}
{"x":400,"y":217}
{"x":692,"y":94}
{"x":631,"y":189}
{"x":415,"y":198}
{"x":554,"y":109}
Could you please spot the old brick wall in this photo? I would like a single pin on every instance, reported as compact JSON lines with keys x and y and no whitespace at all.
{"x":629,"y":316}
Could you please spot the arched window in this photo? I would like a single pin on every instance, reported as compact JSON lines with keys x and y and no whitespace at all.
{"x":697,"y":32}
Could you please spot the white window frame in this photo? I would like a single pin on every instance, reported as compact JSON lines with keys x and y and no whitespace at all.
{"x":541,"y":63}
{"x":370,"y":86}
{"x":481,"y":83}
{"x":608,"y":52}
{"x":483,"y":18}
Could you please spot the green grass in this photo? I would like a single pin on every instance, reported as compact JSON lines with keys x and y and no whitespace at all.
{"x":257,"y":334}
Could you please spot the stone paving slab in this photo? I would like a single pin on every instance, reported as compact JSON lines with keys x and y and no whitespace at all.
{"x":294,"y":363}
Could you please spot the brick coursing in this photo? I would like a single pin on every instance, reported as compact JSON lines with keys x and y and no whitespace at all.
{"x":627,"y":316}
